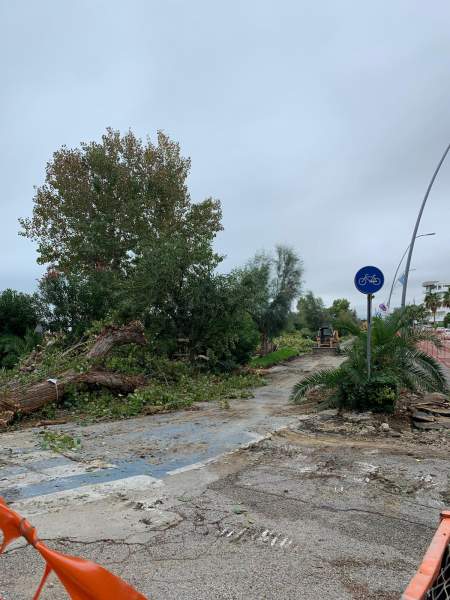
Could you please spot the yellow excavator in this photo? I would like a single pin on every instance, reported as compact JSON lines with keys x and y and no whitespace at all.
{"x":327,"y":339}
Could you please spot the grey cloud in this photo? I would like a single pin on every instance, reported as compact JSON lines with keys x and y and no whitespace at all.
{"x":319,"y":124}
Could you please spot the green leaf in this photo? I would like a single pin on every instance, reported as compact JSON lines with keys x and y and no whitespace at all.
{"x":239,"y":510}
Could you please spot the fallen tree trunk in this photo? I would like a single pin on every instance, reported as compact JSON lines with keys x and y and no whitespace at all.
{"x":26,"y":399}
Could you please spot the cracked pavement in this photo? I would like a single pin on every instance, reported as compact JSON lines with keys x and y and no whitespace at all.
{"x":301,"y":513}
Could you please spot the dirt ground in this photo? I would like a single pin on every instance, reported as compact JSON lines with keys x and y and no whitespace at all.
{"x":297,"y":505}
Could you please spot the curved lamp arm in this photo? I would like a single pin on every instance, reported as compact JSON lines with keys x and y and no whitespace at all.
{"x":414,"y":235}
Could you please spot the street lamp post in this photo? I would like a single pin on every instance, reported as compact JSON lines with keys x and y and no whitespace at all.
{"x":414,"y":235}
{"x":395,"y":276}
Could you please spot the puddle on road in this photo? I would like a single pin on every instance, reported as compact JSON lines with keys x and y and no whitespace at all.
{"x":205,"y":441}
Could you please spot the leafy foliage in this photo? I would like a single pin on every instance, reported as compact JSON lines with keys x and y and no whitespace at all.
{"x":116,"y":223}
{"x":433,"y":301}
{"x":378,"y":395}
{"x":271,"y":283}
{"x":171,"y":387}
{"x":178,"y":294}
{"x":394,"y":354}
{"x":55,"y":357}
{"x":340,"y":311}
{"x":295,"y":341}
{"x":57,"y":441}
{"x":100,"y":202}
{"x":414,"y":312}
{"x":446,"y":299}
{"x":74,"y":300}
{"x":13,"y":347}
{"x":312,"y":312}
{"x":18,"y":312}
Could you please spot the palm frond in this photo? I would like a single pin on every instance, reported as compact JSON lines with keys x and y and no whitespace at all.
{"x":326,"y":378}
{"x":331,"y":400}
{"x":346,"y":326}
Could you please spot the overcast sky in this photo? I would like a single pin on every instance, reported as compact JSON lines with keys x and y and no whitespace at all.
{"x":316,"y":123}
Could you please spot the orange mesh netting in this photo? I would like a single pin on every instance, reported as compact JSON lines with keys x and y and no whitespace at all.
{"x":432,"y":580}
{"x":83,"y":580}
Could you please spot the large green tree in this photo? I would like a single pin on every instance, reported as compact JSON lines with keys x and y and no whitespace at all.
{"x":340,"y":305}
{"x":340,"y":311}
{"x":312,"y":312}
{"x":271,"y":282}
{"x":102,"y":201}
{"x":18,"y":312}
{"x":177,"y":292}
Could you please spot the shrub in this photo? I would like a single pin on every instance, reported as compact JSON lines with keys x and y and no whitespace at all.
{"x":378,"y":395}
{"x":294,"y":341}
{"x":396,"y":361}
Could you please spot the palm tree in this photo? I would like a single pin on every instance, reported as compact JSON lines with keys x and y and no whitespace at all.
{"x":446,"y":299}
{"x":414,"y":312}
{"x":394,"y":355}
{"x":433,"y":302}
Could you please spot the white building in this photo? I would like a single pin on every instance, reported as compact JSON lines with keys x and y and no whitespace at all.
{"x":439,"y":288}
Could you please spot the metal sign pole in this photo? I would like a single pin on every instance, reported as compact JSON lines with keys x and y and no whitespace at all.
{"x":369,"y":280}
{"x":369,"y":314}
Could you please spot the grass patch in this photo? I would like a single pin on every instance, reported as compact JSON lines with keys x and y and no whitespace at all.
{"x":274,"y":358}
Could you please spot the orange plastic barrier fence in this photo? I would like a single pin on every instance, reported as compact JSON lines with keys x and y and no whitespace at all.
{"x":432,"y":580}
{"x":83,"y":580}
{"x":440,"y":354}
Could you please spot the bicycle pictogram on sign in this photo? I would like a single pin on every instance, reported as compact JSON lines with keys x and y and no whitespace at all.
{"x":369,"y":280}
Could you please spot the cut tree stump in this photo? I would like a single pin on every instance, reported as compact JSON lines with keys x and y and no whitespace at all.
{"x":26,"y":399}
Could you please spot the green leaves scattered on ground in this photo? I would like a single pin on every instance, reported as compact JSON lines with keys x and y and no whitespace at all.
{"x":171,"y":387}
{"x":57,"y":441}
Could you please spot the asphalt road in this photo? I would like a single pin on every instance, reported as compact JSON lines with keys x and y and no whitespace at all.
{"x":307,"y":512}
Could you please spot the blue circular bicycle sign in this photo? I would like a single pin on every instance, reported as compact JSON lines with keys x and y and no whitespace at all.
{"x":369,"y":280}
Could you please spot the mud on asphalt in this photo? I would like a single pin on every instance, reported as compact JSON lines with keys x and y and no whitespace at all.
{"x":301,"y":515}
{"x":323,"y":507}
